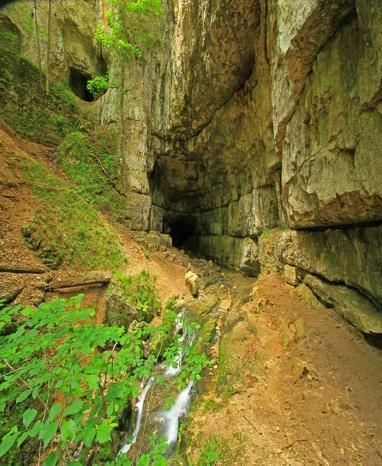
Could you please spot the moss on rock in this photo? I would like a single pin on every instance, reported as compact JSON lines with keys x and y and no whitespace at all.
{"x":131,"y":298}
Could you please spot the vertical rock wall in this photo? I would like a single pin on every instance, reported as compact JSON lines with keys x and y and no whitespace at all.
{"x":270,"y":115}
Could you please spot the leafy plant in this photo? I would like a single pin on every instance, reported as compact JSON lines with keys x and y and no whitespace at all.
{"x":72,"y":378}
{"x":98,"y":85}
{"x":139,"y":291}
{"x":211,"y":452}
{"x":156,"y":456}
{"x":120,"y":36}
{"x":193,"y":360}
{"x":69,"y":380}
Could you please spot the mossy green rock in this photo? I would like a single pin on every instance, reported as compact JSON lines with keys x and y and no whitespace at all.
{"x":131,"y":298}
{"x":120,"y":312}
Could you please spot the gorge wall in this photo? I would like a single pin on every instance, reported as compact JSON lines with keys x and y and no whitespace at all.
{"x":252,"y":133}
{"x":269,"y":115}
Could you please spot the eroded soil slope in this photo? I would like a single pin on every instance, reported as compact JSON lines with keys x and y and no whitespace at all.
{"x":24,"y":276}
{"x":295,"y":384}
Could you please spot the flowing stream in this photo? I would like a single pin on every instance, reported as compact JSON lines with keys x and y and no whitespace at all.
{"x":169,"y":420}
{"x":171,"y":417}
{"x":139,"y":408}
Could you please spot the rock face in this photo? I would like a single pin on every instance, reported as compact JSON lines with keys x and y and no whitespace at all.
{"x":252,"y":115}
{"x":292,"y":141}
{"x":73,"y":45}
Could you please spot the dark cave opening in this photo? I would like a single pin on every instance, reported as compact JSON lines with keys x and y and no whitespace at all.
{"x":181,"y":229}
{"x":77,"y":82}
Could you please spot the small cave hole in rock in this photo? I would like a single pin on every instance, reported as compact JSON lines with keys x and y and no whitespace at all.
{"x":181,"y":229}
{"x":77,"y":82}
{"x":374,"y":339}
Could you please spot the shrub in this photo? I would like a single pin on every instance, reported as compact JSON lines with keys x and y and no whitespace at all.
{"x":97,"y":86}
{"x":69,"y":380}
{"x":139,"y":292}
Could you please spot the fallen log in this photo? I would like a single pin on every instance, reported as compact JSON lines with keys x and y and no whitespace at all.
{"x":20,"y":269}
{"x":69,"y":287}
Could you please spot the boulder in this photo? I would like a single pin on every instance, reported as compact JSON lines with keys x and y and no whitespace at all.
{"x":193,"y":283}
{"x":291,"y":275}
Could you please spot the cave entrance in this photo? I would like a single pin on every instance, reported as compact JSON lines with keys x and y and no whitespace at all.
{"x":77,"y":82}
{"x":181,"y":229}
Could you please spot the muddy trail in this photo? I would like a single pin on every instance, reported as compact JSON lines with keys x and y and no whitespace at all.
{"x":291,"y":383}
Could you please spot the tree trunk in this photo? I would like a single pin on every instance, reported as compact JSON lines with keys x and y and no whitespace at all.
{"x":38,"y":40}
{"x":47,"y":82}
{"x":122,"y":121}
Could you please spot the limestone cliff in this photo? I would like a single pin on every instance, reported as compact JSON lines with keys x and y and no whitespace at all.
{"x":253,"y":115}
{"x":271,"y":116}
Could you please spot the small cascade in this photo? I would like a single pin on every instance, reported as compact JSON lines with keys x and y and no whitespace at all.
{"x":169,"y":420}
{"x":185,"y":339}
{"x":139,"y":408}
{"x":174,"y":369}
{"x":171,"y":417}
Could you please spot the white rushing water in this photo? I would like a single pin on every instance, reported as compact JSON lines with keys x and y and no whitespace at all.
{"x":171,"y":417}
{"x":139,"y":407}
{"x":186,"y":339}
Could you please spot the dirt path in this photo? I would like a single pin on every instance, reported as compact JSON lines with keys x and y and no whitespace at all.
{"x":300,"y":386}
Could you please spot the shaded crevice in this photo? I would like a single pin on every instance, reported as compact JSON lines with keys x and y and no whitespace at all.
{"x":78,"y":83}
{"x":345,"y":226}
{"x":361,"y":291}
{"x":373,"y":339}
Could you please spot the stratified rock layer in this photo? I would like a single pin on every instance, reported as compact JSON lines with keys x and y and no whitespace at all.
{"x":296,"y":144}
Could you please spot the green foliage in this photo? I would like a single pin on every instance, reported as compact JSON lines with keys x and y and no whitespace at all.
{"x":156,"y":456}
{"x":212,"y":452}
{"x":66,"y":95}
{"x":64,"y":383}
{"x":139,"y":291}
{"x":58,"y":123}
{"x":70,"y":378}
{"x":127,"y":31}
{"x":22,"y":11}
{"x":223,"y":365}
{"x":94,"y":169}
{"x":66,"y":226}
{"x":193,"y":362}
{"x":212,"y":405}
{"x":193,"y":365}
{"x":98,"y":85}
{"x":122,"y":34}
{"x":25,"y":107}
{"x":9,"y":39}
